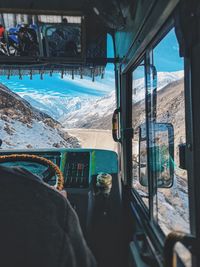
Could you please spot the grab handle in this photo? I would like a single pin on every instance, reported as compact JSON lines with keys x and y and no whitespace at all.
{"x":174,"y":237}
{"x":115,"y":123}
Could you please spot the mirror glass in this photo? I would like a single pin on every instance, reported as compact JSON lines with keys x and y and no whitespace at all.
{"x":62,"y":40}
{"x":161,"y":154}
{"x":25,"y":35}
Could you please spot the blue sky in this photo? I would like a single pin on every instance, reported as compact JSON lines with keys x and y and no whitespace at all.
{"x":110,"y":47}
{"x":166,"y":54}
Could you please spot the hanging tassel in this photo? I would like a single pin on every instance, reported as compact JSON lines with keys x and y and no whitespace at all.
{"x":20,"y":75}
{"x":41,"y":75}
{"x":31,"y":75}
{"x":81,"y":73}
{"x":62,"y":74}
{"x":102,"y":73}
{"x":8,"y":77}
{"x":93,"y":75}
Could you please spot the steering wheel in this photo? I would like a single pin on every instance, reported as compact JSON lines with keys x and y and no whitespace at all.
{"x":53,"y":168}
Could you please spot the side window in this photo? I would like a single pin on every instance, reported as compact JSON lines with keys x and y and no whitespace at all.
{"x":158,"y":120}
{"x":171,"y":209}
{"x":139,"y":118}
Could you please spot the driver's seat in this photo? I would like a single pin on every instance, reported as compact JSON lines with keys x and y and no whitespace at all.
{"x":38,"y":227}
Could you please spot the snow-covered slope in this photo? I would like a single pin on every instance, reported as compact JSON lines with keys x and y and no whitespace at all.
{"x":22,"y":126}
{"x":16,"y":134}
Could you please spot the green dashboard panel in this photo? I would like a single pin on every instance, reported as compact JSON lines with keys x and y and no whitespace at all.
{"x":76,"y":164}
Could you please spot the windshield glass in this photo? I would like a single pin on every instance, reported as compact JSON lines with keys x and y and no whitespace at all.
{"x":58,"y":109}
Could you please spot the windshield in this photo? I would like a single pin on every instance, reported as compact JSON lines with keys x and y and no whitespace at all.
{"x":58,"y":109}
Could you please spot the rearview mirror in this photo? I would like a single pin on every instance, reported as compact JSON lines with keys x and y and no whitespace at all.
{"x":160,"y":159}
{"x":52,"y":41}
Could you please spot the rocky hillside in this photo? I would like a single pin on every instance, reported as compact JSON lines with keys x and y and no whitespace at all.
{"x":23,"y":126}
{"x":170,"y":109}
{"x":172,"y":203}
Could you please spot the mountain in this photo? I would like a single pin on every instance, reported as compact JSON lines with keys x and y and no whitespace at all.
{"x":22,"y":125}
{"x":89,"y":106}
{"x":97,"y":114}
{"x":163,"y":79}
{"x":55,"y":106}
{"x":56,"y":96}
{"x":92,"y":114}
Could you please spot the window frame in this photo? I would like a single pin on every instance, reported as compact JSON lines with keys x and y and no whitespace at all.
{"x":147,"y":213}
{"x":142,"y":59}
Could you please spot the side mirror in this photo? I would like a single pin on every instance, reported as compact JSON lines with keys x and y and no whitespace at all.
{"x":160,"y":154}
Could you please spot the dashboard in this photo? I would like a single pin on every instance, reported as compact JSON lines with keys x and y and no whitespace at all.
{"x":77,"y":165}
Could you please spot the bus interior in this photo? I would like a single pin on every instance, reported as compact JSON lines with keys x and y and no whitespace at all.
{"x":138,"y":199}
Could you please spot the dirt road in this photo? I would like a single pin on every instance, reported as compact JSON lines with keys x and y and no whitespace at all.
{"x":94,"y":138}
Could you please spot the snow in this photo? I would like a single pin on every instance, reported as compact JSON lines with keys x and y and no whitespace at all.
{"x":37,"y":135}
{"x":163,"y":79}
{"x":55,"y":106}
{"x":91,"y":110}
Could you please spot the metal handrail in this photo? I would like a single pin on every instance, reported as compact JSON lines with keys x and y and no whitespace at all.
{"x":174,"y":237}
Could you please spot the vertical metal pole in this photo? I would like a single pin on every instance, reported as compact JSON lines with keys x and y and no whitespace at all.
{"x":126,"y":113}
{"x":148,"y":115}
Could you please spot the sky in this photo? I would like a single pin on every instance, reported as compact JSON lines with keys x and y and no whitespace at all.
{"x":166,"y":54}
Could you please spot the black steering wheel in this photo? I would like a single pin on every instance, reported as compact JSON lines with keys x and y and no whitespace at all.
{"x":53,"y":169}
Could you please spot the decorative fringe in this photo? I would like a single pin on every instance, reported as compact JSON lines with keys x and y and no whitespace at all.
{"x":23,"y":70}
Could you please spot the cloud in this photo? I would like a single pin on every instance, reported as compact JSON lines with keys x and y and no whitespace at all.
{"x":105,"y":85}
